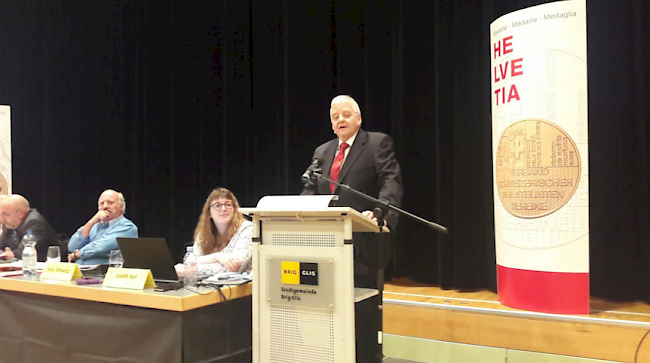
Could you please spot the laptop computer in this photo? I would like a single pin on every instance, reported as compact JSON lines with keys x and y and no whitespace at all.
{"x":149,"y":253}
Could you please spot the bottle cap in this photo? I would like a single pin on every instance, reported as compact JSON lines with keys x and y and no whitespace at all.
{"x":190,"y":249}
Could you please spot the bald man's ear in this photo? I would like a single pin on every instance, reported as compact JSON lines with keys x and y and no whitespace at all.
{"x":23,"y":213}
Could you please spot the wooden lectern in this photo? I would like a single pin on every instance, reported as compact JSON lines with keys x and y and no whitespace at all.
{"x":303,"y":285}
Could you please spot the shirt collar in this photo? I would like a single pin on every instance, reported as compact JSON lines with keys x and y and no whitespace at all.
{"x":112,"y":222}
{"x":26,"y":215}
{"x":350,"y":140}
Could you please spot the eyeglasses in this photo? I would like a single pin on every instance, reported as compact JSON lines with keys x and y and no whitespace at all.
{"x":217,"y":206}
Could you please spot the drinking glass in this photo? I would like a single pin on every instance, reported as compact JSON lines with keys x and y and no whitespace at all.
{"x":53,"y":254}
{"x":115,"y":259}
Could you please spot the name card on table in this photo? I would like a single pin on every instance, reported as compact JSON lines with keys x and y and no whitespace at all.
{"x":128,"y":278}
{"x":62,"y":271}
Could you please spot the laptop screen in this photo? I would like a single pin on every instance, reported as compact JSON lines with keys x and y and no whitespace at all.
{"x":148,"y":253}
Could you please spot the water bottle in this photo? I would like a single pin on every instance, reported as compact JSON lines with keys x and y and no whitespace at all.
{"x":29,"y":254}
{"x":191,"y":267}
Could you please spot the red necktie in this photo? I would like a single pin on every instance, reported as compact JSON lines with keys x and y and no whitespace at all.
{"x":336,"y":165}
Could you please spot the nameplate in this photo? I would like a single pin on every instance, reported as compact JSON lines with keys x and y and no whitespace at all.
{"x":62,"y":271}
{"x":128,"y":278}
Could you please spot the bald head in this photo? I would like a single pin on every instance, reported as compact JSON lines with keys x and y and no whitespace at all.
{"x":16,"y":200}
{"x":13,"y":210}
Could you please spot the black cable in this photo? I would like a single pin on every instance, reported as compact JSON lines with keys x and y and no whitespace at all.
{"x":218,"y":287}
{"x":221,"y":293}
{"x":200,"y":293}
{"x":638,"y":347}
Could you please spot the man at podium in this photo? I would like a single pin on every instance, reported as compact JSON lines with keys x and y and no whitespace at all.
{"x":365,"y":161}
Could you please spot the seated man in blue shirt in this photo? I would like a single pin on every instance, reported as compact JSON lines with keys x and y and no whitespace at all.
{"x":93,"y":241}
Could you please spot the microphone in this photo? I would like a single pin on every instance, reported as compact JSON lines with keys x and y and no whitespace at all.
{"x":307,"y":176}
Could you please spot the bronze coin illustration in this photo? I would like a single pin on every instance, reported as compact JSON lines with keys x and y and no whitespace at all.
{"x":538,"y":168}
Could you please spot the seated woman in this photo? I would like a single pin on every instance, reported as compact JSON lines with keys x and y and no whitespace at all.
{"x":222,"y":239}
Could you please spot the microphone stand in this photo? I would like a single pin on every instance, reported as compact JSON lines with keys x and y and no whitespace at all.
{"x":312,"y":175}
{"x":382,"y":206}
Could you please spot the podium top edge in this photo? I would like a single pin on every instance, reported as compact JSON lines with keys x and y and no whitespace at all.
{"x":361,"y":223}
{"x":328,"y":210}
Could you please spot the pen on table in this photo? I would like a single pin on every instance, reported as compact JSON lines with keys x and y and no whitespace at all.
{"x":13,"y":275}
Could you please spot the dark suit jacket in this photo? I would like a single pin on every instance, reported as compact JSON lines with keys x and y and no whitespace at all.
{"x":41,"y":229}
{"x":371,"y":168}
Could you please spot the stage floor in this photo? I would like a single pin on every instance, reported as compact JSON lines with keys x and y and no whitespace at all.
{"x":612,"y":331}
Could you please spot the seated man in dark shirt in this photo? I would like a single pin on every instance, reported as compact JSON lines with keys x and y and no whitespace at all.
{"x":18,"y":218}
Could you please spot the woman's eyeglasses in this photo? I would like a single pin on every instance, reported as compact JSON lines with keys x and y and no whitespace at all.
{"x":217,"y":206}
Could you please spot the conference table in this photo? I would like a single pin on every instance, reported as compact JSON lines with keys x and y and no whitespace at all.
{"x":60,"y":321}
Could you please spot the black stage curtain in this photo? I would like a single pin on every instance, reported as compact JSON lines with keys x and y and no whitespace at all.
{"x":165,"y":100}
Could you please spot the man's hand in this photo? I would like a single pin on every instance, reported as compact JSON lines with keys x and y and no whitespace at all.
{"x":99,"y":216}
{"x":7,"y":254}
{"x":72,"y":257}
{"x":370,"y":215}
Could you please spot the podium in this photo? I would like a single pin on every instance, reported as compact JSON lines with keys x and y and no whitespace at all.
{"x":303,"y":283}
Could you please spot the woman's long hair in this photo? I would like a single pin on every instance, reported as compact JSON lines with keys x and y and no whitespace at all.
{"x":206,"y":234}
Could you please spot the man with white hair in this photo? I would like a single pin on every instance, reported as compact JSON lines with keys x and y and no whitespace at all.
{"x":17,"y":218}
{"x":366,"y":162}
{"x":93,"y":242}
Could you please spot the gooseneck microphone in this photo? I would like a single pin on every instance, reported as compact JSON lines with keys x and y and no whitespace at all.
{"x":308,"y":176}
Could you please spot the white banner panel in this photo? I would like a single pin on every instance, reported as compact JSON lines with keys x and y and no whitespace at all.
{"x":540,"y":142}
{"x":5,"y":149}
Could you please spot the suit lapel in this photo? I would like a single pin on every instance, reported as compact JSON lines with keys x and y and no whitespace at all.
{"x":353,"y":155}
{"x":328,"y":159}
{"x":329,"y":156}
